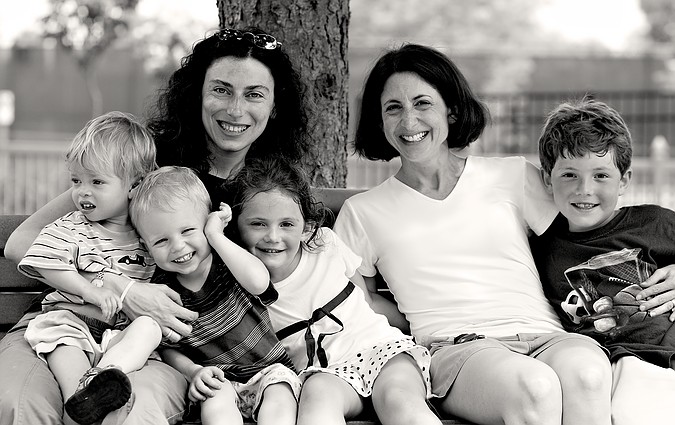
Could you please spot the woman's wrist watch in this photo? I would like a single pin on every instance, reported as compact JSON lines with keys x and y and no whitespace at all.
{"x":97,"y":281}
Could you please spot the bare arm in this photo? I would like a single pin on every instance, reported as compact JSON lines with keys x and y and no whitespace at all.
{"x":381,"y":304}
{"x":180,"y":362}
{"x":23,"y":236}
{"x":157,"y":301}
{"x":203,"y":379}
{"x":249,"y":271}
{"x":70,"y":281}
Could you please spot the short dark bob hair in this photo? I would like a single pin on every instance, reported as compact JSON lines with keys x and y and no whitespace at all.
{"x":437,"y":70}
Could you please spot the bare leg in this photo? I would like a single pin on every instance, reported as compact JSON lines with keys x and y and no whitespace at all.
{"x":221,"y":409}
{"x":68,"y":364}
{"x":130,"y":349}
{"x":399,"y":394}
{"x":158,"y":397}
{"x":501,"y":387}
{"x":327,"y":400}
{"x":638,"y":383}
{"x":586,"y":379}
{"x":278,"y":406}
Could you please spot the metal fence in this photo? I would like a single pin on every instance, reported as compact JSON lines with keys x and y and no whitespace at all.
{"x":33,"y":172}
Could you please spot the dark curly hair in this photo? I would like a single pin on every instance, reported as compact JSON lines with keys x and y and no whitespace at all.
{"x":267,"y":174}
{"x":176,"y":121}
{"x":437,"y":70}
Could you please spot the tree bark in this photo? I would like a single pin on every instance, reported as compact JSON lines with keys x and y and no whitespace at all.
{"x":314,"y":34}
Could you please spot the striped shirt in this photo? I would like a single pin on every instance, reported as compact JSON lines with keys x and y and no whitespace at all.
{"x":233,"y":331}
{"x":73,"y":243}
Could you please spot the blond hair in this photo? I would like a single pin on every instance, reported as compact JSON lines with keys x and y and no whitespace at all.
{"x":115,"y":142}
{"x":160,"y":189}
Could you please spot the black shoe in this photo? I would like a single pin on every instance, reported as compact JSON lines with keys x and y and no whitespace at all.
{"x":101,"y":390}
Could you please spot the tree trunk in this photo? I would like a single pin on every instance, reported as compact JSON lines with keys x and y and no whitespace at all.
{"x":314,"y":34}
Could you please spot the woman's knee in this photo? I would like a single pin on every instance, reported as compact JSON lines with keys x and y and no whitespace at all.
{"x":586,"y":369}
{"x":540,"y":386}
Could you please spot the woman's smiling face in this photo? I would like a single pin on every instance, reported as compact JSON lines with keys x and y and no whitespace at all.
{"x":415,"y":119}
{"x":237,"y":102}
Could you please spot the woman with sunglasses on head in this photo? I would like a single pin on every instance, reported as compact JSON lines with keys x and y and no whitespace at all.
{"x":236,"y":96}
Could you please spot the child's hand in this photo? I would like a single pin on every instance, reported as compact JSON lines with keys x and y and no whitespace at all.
{"x":218,"y":220}
{"x":108,"y":301}
{"x":204,"y":382}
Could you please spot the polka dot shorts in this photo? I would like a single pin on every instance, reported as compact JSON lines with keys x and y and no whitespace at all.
{"x":362,"y":369}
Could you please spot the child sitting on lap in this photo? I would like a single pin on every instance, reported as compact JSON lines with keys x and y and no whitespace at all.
{"x":232,"y":359}
{"x":81,"y":325}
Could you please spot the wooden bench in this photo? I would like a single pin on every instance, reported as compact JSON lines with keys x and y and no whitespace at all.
{"x":18,"y":291}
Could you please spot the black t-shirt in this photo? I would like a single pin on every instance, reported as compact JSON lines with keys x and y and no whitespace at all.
{"x":648,"y":227}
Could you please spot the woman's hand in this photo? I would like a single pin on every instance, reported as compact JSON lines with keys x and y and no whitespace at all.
{"x":204,"y":382}
{"x":658,"y":297}
{"x":162,"y":304}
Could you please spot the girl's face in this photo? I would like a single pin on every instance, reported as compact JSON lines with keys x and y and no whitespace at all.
{"x":272,"y":228}
{"x":101,"y":197}
{"x":586,"y":189}
{"x":415,"y":118}
{"x":237,"y":102}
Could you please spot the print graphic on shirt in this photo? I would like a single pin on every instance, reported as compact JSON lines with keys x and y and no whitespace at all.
{"x":604,"y":290}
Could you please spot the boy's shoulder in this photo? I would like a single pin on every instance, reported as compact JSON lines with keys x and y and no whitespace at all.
{"x":650,"y":212}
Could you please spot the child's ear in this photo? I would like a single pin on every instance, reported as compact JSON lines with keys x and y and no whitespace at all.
{"x":625,"y":181}
{"x":546,"y":177}
{"x":310,"y":226}
{"x":132,"y":190}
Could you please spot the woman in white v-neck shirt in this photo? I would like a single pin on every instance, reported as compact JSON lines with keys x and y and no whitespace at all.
{"x":449,"y":235}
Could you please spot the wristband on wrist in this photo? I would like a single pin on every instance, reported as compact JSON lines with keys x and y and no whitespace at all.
{"x":126,"y":290}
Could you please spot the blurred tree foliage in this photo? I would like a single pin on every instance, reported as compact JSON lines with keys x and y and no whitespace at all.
{"x":661,"y":17}
{"x":87,"y":28}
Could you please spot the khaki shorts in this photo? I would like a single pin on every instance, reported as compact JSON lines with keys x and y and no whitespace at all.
{"x":250,"y":393}
{"x":447,"y":359}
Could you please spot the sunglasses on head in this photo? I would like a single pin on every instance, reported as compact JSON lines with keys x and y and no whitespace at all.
{"x":262,"y":41}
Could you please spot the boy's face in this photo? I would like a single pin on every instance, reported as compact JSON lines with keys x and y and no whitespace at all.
{"x":176,"y":238}
{"x":586,"y":189}
{"x":271,"y":227}
{"x":101,"y":197}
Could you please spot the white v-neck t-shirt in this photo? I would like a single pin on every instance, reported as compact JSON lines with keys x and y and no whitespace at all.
{"x":461,"y":264}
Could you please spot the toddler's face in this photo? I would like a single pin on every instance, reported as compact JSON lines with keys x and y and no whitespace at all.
{"x":586,"y":189}
{"x":272,"y":228}
{"x":100,"y":196}
{"x":176,"y":238}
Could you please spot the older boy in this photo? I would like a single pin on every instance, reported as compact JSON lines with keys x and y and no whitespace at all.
{"x":585,"y":153}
